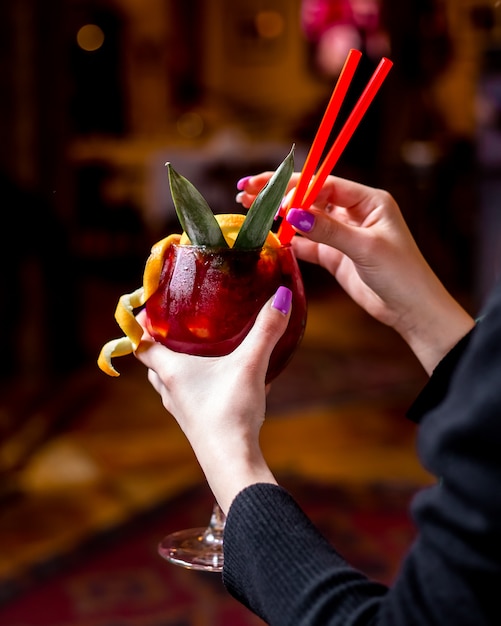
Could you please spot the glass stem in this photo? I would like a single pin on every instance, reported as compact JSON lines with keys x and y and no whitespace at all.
{"x":215,"y":530}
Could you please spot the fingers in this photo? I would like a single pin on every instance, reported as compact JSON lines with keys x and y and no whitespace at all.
{"x":160,"y":387}
{"x":346,"y":201}
{"x":151,"y":354}
{"x":346,"y":216}
{"x":155,"y":381}
{"x":345,"y":193}
{"x":313,"y":252}
{"x":320,"y":227}
{"x":269,"y":326}
{"x":335,"y":190}
{"x":249,"y":186}
{"x":256,"y":347}
{"x":253,"y":184}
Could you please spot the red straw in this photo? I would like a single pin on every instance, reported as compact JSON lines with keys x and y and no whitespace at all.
{"x":286,"y":232}
{"x":342,"y":140}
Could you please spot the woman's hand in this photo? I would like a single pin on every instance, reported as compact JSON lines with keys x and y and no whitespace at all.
{"x":220,"y":402}
{"x":359,"y":235}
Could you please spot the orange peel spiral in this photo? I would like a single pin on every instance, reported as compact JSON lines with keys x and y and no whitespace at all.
{"x":124,"y":313}
{"x":128,"y":302}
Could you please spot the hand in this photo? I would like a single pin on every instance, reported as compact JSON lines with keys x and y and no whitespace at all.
{"x":359,"y":235}
{"x":220,"y":402}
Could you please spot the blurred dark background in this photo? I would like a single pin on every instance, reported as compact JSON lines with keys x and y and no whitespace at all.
{"x":96,"y":95}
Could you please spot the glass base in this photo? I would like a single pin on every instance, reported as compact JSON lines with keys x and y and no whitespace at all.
{"x":196,"y":548}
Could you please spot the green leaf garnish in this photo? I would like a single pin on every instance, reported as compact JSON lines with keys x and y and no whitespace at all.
{"x":196,"y":217}
{"x":261,"y":214}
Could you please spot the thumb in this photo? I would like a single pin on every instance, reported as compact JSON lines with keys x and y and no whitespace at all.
{"x":269,"y":326}
{"x":320,"y":227}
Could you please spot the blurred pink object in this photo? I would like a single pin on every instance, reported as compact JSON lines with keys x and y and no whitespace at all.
{"x":333,"y":45}
{"x":317,"y":16}
{"x":336,"y":26}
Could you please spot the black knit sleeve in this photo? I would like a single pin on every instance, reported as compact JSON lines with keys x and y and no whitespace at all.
{"x":278,"y":564}
{"x":436,"y":388}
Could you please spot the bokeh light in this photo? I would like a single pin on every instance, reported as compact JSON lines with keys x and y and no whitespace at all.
{"x":90,"y":37}
{"x":190,"y":125}
{"x":269,"y":24}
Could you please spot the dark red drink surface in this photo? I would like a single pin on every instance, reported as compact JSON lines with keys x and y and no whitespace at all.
{"x":208,"y":299}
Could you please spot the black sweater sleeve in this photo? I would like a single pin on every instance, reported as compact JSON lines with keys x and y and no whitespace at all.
{"x":278,"y":564}
{"x":437,"y":387}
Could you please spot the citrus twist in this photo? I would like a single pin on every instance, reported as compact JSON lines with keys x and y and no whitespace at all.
{"x":230,"y":225}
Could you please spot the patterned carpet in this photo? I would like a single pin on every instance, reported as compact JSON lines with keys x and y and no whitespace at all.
{"x":118,"y":579}
{"x":102,"y":475}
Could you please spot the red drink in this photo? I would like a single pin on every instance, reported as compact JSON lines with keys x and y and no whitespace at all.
{"x":208,"y":299}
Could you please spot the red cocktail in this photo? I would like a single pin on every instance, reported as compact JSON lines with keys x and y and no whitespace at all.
{"x":207,"y":299}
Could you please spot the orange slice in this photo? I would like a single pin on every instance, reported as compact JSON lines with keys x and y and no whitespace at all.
{"x":124,"y":314}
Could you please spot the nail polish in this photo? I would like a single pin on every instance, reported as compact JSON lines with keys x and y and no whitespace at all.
{"x":300,"y":219}
{"x":242,"y":182}
{"x":282,"y":300}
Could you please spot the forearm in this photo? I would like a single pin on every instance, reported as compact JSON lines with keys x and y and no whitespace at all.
{"x":230,"y":467}
{"x":434,"y":324}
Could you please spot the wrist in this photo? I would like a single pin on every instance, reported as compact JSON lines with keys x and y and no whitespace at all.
{"x":434,"y":328}
{"x":230,"y":467}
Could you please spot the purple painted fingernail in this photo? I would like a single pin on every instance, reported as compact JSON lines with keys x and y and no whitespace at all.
{"x":242,"y":182}
{"x":300,"y":219}
{"x":282,"y":300}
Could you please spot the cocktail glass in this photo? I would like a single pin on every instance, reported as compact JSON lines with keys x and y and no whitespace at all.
{"x":206,"y":303}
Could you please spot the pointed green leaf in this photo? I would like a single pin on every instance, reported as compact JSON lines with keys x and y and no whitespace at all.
{"x":196,"y":218}
{"x":261,"y":214}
